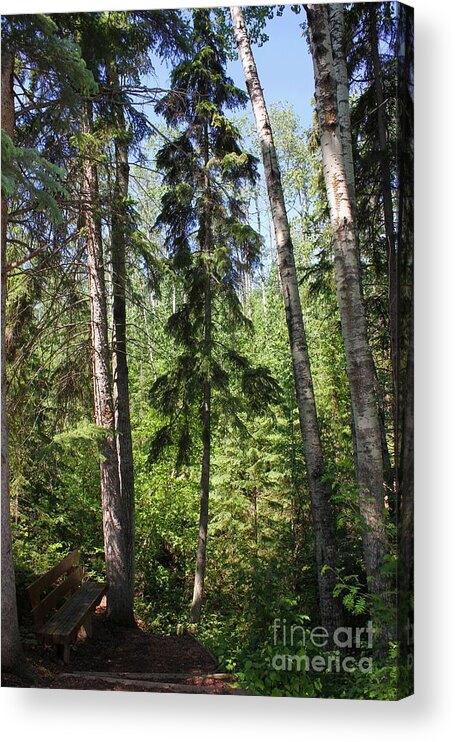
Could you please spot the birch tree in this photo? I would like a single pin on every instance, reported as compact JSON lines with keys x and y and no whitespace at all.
{"x":323,"y":524}
{"x":359,"y":361}
{"x":337,"y":31}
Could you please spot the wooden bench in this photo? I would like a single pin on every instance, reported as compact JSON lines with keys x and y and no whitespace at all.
{"x":62,"y":593}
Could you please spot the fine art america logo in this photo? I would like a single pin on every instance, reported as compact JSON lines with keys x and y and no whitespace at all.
{"x":337,"y":647}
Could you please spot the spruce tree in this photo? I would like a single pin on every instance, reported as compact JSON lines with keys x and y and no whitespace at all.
{"x":28,"y":176}
{"x":209,"y":243}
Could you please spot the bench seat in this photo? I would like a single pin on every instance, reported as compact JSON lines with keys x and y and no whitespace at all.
{"x":62,"y":603}
{"x":64,"y":625}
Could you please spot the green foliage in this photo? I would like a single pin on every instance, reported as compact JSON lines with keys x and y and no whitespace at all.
{"x":36,"y":37}
{"x":353,"y":595}
{"x":209,"y":243}
{"x":40,"y":180}
{"x":84,"y":432}
{"x":260,"y":551}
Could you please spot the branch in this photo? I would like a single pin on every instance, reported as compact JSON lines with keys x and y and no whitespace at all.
{"x":17,"y":263}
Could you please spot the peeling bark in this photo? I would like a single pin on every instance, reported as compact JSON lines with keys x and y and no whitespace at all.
{"x":359,"y":361}
{"x":337,"y":32}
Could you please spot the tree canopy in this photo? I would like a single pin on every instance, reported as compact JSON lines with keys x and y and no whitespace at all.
{"x":207,"y":333}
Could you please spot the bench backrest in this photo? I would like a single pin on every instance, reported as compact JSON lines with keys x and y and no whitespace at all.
{"x":53,"y":587}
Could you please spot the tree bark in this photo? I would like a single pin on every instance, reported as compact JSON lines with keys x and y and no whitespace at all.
{"x":360,"y":367}
{"x":119,"y":598}
{"x":338,"y":41}
{"x":119,"y":223}
{"x":323,"y":522}
{"x":337,"y":31}
{"x":406,"y":510}
{"x":201,"y":556}
{"x":405,"y":349}
{"x":389,"y":226}
{"x":12,"y":654}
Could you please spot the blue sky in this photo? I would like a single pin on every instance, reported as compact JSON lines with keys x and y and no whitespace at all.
{"x":284,"y":66}
{"x":286,"y":73}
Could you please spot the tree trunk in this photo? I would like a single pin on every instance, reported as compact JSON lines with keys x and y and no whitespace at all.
{"x":337,"y":31}
{"x":405,"y":350}
{"x":12,"y":655}
{"x":406,"y":509}
{"x":323,"y":523}
{"x":198,"y":591}
{"x":120,"y":224}
{"x":360,"y":367}
{"x":389,"y":227}
{"x":338,"y":41}
{"x":119,"y":598}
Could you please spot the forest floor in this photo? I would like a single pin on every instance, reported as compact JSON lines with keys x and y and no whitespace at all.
{"x":122,"y":659}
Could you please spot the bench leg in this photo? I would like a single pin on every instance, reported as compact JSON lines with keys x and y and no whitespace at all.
{"x":86,"y":630}
{"x":88,"y":626}
{"x":63,"y":651}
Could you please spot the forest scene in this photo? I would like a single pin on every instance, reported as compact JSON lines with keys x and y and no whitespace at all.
{"x":207,"y":350}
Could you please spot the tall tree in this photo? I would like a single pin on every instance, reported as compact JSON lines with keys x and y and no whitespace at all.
{"x":12,"y":655}
{"x":120,"y":230}
{"x":323,"y":523}
{"x":389,"y":222}
{"x":405,"y":357}
{"x":371,"y":65}
{"x":338,"y":35}
{"x":32,"y":40}
{"x":120,"y":595}
{"x":360,"y":367}
{"x":210,"y":245}
{"x":130,"y":40}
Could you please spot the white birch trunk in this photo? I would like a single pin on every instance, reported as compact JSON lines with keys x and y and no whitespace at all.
{"x":323,"y":523}
{"x":359,"y":360}
{"x":338,"y":41}
{"x":337,"y":32}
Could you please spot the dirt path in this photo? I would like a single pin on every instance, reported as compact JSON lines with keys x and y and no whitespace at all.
{"x":130,"y":660}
